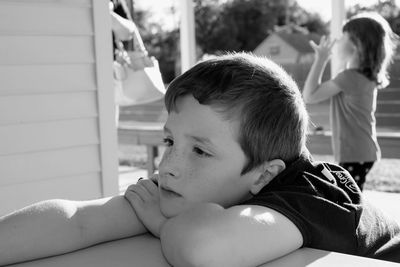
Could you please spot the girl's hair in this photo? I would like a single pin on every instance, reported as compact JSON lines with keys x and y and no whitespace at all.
{"x":257,"y":93}
{"x":376,"y":44}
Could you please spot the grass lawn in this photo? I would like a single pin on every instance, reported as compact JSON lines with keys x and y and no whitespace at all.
{"x":384,"y":176}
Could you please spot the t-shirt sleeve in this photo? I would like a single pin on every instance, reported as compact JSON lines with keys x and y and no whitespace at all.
{"x":323,"y":223}
{"x":343,"y":80}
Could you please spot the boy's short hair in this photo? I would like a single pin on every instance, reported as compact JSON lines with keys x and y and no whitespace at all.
{"x":256,"y":92}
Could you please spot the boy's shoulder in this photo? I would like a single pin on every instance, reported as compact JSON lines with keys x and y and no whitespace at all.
{"x":324,"y":202}
{"x":304,"y":172}
{"x":305,"y":180}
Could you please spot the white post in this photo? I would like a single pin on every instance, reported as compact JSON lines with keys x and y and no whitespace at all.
{"x":338,"y":17}
{"x":103,"y":64}
{"x":187,"y":35}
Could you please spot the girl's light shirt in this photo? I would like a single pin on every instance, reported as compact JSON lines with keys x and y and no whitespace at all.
{"x":353,"y":119}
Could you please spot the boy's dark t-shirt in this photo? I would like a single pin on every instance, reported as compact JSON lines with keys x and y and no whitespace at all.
{"x":324,"y":202}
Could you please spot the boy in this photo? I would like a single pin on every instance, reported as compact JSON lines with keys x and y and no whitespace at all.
{"x":236,"y":186}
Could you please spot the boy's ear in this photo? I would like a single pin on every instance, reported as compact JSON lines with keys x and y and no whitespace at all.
{"x":268,"y":171}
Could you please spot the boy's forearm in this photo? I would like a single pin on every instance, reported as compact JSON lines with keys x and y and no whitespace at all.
{"x":59,"y":226}
{"x":181,"y":237}
{"x":313,"y":79}
{"x":207,"y":234}
{"x":37,"y":230}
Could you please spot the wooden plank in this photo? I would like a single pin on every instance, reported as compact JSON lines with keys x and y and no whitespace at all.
{"x":140,"y":133}
{"x":321,"y":144}
{"x":34,"y":19}
{"x":33,"y":79}
{"x":34,"y":167}
{"x":388,"y":106}
{"x":388,"y":120}
{"x":146,"y":250}
{"x":390,"y":146}
{"x":389,"y":94}
{"x":64,"y":3}
{"x":26,"y":138}
{"x":47,"y":107}
{"x":105,"y":98}
{"x":80,"y":187}
{"x":154,"y":111}
{"x":46,"y":50}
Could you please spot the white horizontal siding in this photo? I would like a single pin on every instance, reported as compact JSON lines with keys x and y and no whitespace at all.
{"x":38,"y":79}
{"x":45,"y":19}
{"x":47,"y":107}
{"x":46,"y":50}
{"x":28,"y":138}
{"x":64,"y":3}
{"x":54,"y":65}
{"x":45,"y":165}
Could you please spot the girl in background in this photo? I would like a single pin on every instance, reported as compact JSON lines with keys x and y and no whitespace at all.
{"x":365,"y":51}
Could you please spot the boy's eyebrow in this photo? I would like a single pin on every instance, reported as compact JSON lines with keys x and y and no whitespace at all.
{"x":203,"y":140}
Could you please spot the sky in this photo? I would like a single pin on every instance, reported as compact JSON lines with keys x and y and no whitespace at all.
{"x":162,"y":7}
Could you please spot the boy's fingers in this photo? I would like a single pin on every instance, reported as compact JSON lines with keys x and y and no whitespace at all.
{"x":155,"y":177}
{"x":133,"y":197}
{"x":139,"y":190}
{"x":150,"y":186}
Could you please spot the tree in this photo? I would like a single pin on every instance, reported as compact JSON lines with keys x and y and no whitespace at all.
{"x":236,"y":25}
{"x":233,"y":25}
{"x":311,"y":21}
{"x":387,"y":8}
{"x":159,"y":42}
{"x":241,"y":25}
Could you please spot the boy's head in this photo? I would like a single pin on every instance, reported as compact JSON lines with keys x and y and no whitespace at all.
{"x":232,"y":124}
{"x":258,"y":94}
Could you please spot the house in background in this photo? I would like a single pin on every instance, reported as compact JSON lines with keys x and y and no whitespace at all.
{"x":57,"y":131}
{"x":288,"y":45}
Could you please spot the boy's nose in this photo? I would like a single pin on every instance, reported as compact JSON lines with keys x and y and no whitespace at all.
{"x":169,"y":164}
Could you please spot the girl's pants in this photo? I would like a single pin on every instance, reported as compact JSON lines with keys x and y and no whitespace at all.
{"x":358,"y":170}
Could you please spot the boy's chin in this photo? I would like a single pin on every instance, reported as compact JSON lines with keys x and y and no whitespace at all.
{"x":170,"y":211}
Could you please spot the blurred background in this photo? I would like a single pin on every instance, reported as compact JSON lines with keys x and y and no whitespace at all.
{"x":281,"y":30}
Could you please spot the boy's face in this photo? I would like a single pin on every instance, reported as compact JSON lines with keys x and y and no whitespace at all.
{"x":202,"y":161}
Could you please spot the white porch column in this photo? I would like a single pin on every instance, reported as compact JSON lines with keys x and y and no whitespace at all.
{"x":338,"y":17}
{"x":187,"y":35}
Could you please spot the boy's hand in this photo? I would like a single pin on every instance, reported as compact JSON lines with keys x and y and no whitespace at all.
{"x":144,"y":198}
{"x":323,"y":50}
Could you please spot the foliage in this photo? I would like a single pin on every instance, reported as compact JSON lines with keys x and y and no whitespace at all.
{"x":160,"y":43}
{"x":310,"y":21}
{"x":387,"y":8}
{"x":237,"y":25}
{"x":233,"y":25}
{"x":241,"y":25}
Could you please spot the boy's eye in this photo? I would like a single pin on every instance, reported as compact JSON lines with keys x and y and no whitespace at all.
{"x":168,"y":141}
{"x":201,"y":152}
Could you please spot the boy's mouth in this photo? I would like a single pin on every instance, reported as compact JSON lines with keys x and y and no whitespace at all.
{"x":168,"y":192}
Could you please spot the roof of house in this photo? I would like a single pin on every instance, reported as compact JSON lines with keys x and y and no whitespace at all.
{"x":297,"y":37}
{"x":299,"y":41}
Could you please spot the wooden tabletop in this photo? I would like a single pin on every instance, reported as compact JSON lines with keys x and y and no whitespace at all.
{"x":145,"y":251}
